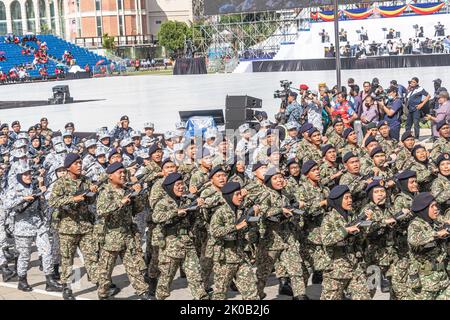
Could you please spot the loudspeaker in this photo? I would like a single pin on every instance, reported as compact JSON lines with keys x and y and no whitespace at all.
{"x":243,"y":102}
{"x":239,"y":110}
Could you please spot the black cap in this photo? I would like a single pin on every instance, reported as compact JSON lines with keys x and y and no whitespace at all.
{"x":347,"y":132}
{"x":406,"y":175}
{"x":326,"y":148}
{"x":71,"y":158}
{"x":230,"y":187}
{"x":44,"y":119}
{"x":305,"y":127}
{"x":376,"y":150}
{"x":369,"y":140}
{"x":166,"y":161}
{"x":124,"y":118}
{"x":257,"y":165}
{"x":348,"y":156}
{"x":442,"y":157}
{"x":15,"y":123}
{"x":417,"y":147}
{"x":374,"y":184}
{"x":440,"y":124}
{"x":69,"y":125}
{"x":293,"y":94}
{"x":114,"y":167}
{"x":307,"y":166}
{"x":172,"y":178}
{"x":406,"y":135}
{"x":337,"y":120}
{"x":270,"y":173}
{"x":338,"y":191}
{"x":4,"y":125}
{"x":382,"y":123}
{"x":312,"y":130}
{"x":112,"y":152}
{"x":215,"y":170}
{"x":291,"y":161}
{"x":422,"y":201}
{"x":371,"y":125}
{"x":153,"y":148}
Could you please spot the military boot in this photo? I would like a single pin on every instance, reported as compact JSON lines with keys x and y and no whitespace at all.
{"x":56,"y":274}
{"x":7,"y":273}
{"x":301,"y":297}
{"x":52,"y":285}
{"x":152,"y":284}
{"x":285,"y":288}
{"x":317,"y":277}
{"x":67,"y":293}
{"x":8,"y":255}
{"x":23,"y":284}
{"x":146,"y":296}
{"x":385,"y":284}
{"x":41,"y":267}
{"x":233,"y":286}
{"x":182,"y":274}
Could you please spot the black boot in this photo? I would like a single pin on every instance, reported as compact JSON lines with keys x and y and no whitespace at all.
{"x":233,"y":286}
{"x":284,"y":288}
{"x":301,"y":297}
{"x":7,"y":273}
{"x":317,"y":277}
{"x":146,"y":296}
{"x":153,"y":283}
{"x":23,"y":284}
{"x":67,"y":293}
{"x":8,"y":255}
{"x":41,"y":268}
{"x":385,"y":285}
{"x":52,"y":285}
{"x":182,"y":274}
{"x":56,"y":274}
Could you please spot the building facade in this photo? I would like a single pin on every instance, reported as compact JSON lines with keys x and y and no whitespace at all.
{"x":160,"y":11}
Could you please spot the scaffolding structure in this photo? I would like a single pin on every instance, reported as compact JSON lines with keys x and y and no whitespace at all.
{"x":226,"y":39}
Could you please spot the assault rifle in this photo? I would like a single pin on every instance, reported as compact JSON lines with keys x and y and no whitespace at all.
{"x":87,"y":192}
{"x":360,"y":221}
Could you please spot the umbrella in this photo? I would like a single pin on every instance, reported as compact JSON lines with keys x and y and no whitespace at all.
{"x":99,"y":62}
{"x":61,"y":65}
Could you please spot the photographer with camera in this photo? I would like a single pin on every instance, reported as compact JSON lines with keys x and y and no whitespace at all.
{"x":439,"y":30}
{"x":442,"y":113}
{"x":294,"y":110}
{"x":417,"y":97}
{"x":392,"y":109}
{"x":313,"y":109}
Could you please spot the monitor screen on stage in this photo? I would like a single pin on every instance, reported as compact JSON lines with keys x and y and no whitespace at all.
{"x":216,"y":7}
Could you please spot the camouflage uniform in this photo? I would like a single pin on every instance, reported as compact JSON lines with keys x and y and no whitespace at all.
{"x":389,"y":145}
{"x":428,"y":260}
{"x":226,"y":248}
{"x":337,"y":141}
{"x":424,"y":175}
{"x":345,"y":267}
{"x":404,"y":159}
{"x":326,"y":171}
{"x":311,"y":195}
{"x":120,"y":234}
{"x":278,"y":244}
{"x":75,"y":227}
{"x":441,"y":145}
{"x":366,"y":164}
{"x":177,"y":248}
{"x":399,"y":270}
{"x":309,"y":152}
{"x":355,"y":149}
{"x":357,"y":187}
{"x":186,"y":169}
{"x":441,"y":191}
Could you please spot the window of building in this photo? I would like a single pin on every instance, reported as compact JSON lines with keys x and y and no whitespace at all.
{"x":43,"y":15}
{"x":119,"y":4}
{"x":99,"y":26}
{"x":52,"y":16}
{"x":121,"y":25}
{"x":16,"y":17}
{"x":3,"y":25}
{"x":29,"y":9}
{"x":98,"y":4}
{"x":158,"y":22}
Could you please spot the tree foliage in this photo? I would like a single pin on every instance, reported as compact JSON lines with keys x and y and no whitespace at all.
{"x":173,"y":35}
{"x":108,"y":42}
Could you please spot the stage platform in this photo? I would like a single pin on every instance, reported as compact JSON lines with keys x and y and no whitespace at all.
{"x":380,"y":62}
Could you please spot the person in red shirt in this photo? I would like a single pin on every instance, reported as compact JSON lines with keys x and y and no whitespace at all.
{"x":343,"y":109}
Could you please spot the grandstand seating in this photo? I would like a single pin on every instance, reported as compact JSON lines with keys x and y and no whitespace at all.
{"x":56,"y":47}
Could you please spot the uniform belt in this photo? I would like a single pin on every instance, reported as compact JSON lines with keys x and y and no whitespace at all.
{"x":174,"y":231}
{"x":230,"y":243}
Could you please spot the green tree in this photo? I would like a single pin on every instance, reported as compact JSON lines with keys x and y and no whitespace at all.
{"x":172,"y":36}
{"x":45,"y":29}
{"x":108,"y":42}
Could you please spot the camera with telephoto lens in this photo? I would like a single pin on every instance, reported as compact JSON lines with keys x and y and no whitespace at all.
{"x":283,"y":94}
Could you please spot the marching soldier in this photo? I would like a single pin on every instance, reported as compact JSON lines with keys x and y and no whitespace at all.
{"x":442,"y":144}
{"x":330,"y":170}
{"x":404,"y":158}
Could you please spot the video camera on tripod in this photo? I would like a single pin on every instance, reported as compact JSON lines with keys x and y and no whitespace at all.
{"x":283,"y":94}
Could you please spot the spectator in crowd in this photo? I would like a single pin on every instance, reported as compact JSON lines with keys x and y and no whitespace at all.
{"x":447,"y":44}
{"x":442,"y":112}
{"x":343,"y":110}
{"x":294,"y":110}
{"x":314,"y":108}
{"x":393,"y":112}
{"x":417,"y":97}
{"x":370,"y":111}
{"x":357,"y":101}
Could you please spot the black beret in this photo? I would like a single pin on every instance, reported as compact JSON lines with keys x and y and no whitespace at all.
{"x":369,"y":140}
{"x":312,"y":130}
{"x":112,"y":152}
{"x":4,"y":125}
{"x":269,"y":132}
{"x":325,"y":149}
{"x":15,"y":123}
{"x":374,"y":184}
{"x":215,"y":170}
{"x":371,"y":125}
{"x":272,"y":150}
{"x":166,"y":161}
{"x":422,"y":201}
{"x":69,"y":125}
{"x":293,"y":94}
{"x":338,"y":191}
{"x":71,"y":158}
{"x":442,"y":157}
{"x":124,"y":118}
{"x":337,"y":120}
{"x":347,"y":132}
{"x":306,"y":127}
{"x":114,"y":167}
{"x":406,"y":135}
{"x":406,"y":175}
{"x":440,"y":124}
{"x":348,"y":156}
{"x":153,"y":148}
{"x":270,"y":173}
{"x":382,"y":123}
{"x":44,"y":119}
{"x":172,"y":178}
{"x":376,"y":150}
{"x":417,"y":147}
{"x":291,"y":161}
{"x":230,"y":187}
{"x":307,"y":166}
{"x":257,"y":165}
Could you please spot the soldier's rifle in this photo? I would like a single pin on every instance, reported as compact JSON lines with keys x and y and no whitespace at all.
{"x":87,"y":192}
{"x":361,"y":221}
